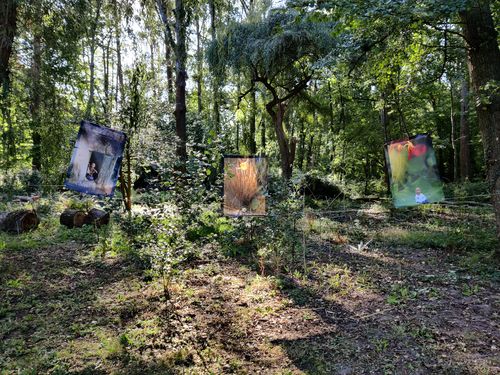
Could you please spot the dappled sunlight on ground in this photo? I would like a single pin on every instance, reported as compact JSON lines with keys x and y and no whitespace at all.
{"x":381,"y":307}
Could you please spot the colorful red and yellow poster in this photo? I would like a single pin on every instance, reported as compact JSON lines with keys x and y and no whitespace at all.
{"x":413,"y":172}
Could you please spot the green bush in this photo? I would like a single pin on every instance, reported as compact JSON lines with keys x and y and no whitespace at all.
{"x":467,"y":191}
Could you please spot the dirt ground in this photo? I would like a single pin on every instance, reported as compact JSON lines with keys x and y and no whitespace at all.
{"x":383,"y":308}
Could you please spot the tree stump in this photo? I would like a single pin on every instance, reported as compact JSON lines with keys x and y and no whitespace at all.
{"x":73,"y":218}
{"x":19,"y":221}
{"x":97,"y":217}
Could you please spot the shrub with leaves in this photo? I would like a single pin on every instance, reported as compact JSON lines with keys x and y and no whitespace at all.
{"x":279,"y":238}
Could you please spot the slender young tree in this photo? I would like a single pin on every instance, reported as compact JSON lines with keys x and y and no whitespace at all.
{"x":35,"y":102}
{"x":465,"y":161}
{"x":93,"y":44}
{"x":216,"y":80}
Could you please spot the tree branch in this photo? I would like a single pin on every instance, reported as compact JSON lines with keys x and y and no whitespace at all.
{"x":365,"y":49}
{"x":298,"y":88}
{"x":446,"y":30}
{"x":162,"y":11}
{"x":241,"y":96}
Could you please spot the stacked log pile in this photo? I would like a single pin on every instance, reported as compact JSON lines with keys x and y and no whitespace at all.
{"x":76,"y":218}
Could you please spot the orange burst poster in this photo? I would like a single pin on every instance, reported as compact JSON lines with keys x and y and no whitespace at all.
{"x":245,"y":185}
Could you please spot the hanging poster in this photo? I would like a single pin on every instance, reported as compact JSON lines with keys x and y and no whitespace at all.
{"x":413,"y":172}
{"x":245,"y":185}
{"x":96,"y":160}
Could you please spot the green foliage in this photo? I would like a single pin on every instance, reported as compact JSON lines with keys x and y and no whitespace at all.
{"x":467,"y":191}
{"x":469,"y":289}
{"x":277,"y":47}
{"x":459,"y":236}
{"x":210,"y":225}
{"x":272,"y":242}
{"x":24,"y":181}
{"x":48,"y":233}
{"x":400,"y":295}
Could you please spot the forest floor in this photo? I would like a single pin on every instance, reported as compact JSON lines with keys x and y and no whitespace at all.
{"x":421,"y":298}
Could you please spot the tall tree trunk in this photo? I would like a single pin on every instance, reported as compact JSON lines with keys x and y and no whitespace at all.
{"x":170,"y":70}
{"x":276,"y":109}
{"x":35,"y":101}
{"x":287,"y":149}
{"x":152,"y":46}
{"x":453,"y":135}
{"x":302,"y":145}
{"x":237,"y":136}
{"x":93,"y":48}
{"x":165,"y":10}
{"x":310,"y":161}
{"x":119,"y":69}
{"x":384,"y":120}
{"x":199,"y":66}
{"x":484,"y":67}
{"x":216,"y":80}
{"x":440,"y":156}
{"x":180,"y":80}
{"x":107,"y":97}
{"x":8,"y":27}
{"x":263,"y":135}
{"x":180,"y":52}
{"x":252,"y":145}
{"x":367,"y":175}
{"x":318,"y":149}
{"x":198,"y":131}
{"x":465,"y":161}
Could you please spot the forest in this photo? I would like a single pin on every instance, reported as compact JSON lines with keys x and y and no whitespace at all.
{"x":249,"y":187}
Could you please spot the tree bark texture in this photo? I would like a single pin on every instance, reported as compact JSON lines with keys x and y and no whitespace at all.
{"x":8,"y":29}
{"x":484,"y":68}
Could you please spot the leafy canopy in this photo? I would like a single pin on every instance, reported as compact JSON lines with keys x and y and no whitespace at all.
{"x":281,"y":48}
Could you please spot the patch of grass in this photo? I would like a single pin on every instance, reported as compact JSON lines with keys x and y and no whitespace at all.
{"x":264,"y":310}
{"x":483,"y":264}
{"x":340,"y":280}
{"x":400,"y":295}
{"x":139,"y":336}
{"x":111,"y":347}
{"x":48,"y":233}
{"x":422,"y":332}
{"x":380,"y":345}
{"x":469,"y":289}
{"x":307,"y":315}
{"x":430,"y":293}
{"x":314,"y":224}
{"x":440,"y":238}
{"x":399,"y":331}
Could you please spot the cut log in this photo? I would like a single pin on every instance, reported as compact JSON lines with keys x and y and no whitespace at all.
{"x":73,"y":218}
{"x":19,"y":221}
{"x":23,"y":198}
{"x":97,"y":217}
